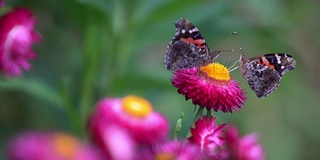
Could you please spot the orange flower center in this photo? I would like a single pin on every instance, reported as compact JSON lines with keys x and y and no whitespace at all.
{"x":136,"y":106}
{"x":65,"y":145}
{"x":216,"y":71}
{"x":164,"y":156}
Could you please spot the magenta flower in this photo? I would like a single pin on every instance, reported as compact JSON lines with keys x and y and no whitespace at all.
{"x":174,"y":150}
{"x":208,"y":136}
{"x":16,"y":39}
{"x":49,"y":146}
{"x":210,"y":86}
{"x":114,"y":141}
{"x":245,"y":148}
{"x":132,"y":114}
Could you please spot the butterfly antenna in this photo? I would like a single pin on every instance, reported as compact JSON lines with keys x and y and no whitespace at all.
{"x":224,"y":42}
{"x":233,"y":33}
{"x":239,"y":42}
{"x":225,"y":50}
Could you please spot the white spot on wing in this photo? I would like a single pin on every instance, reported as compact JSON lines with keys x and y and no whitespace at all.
{"x":278,"y":59}
{"x":193,"y":30}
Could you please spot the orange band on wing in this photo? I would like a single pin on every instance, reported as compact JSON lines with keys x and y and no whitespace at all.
{"x":265,"y":62}
{"x":197,"y":42}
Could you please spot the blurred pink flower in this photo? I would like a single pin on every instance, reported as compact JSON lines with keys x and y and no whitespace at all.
{"x":1,"y":3}
{"x":210,"y":86}
{"x":173,"y":150}
{"x":132,"y":119}
{"x":115,"y":142}
{"x":17,"y":36}
{"x":208,"y":136}
{"x":49,"y":146}
{"x":243,"y":148}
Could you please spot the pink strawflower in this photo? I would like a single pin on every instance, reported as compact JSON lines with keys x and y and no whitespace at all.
{"x":243,"y":148}
{"x":17,"y":36}
{"x":173,"y":150}
{"x":131,"y":113}
{"x":49,"y":146}
{"x":114,"y":141}
{"x":208,"y":136}
{"x":210,"y":86}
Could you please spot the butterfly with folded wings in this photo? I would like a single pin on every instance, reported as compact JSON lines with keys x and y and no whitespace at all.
{"x":188,"y":48}
{"x":264,"y":73}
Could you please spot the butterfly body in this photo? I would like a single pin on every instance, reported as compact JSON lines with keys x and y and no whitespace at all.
{"x":265,"y":72}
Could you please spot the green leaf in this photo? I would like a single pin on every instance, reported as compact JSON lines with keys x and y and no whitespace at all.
{"x":34,"y":87}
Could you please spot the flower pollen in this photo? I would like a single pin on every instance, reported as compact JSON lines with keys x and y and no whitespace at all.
{"x":136,"y":106}
{"x":216,"y":71}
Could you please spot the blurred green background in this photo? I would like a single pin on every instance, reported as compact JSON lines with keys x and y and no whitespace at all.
{"x":97,"y":48}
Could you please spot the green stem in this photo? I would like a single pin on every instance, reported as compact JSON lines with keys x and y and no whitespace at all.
{"x":91,"y":60}
{"x":71,"y":109}
{"x":198,"y":116}
{"x":208,"y":114}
